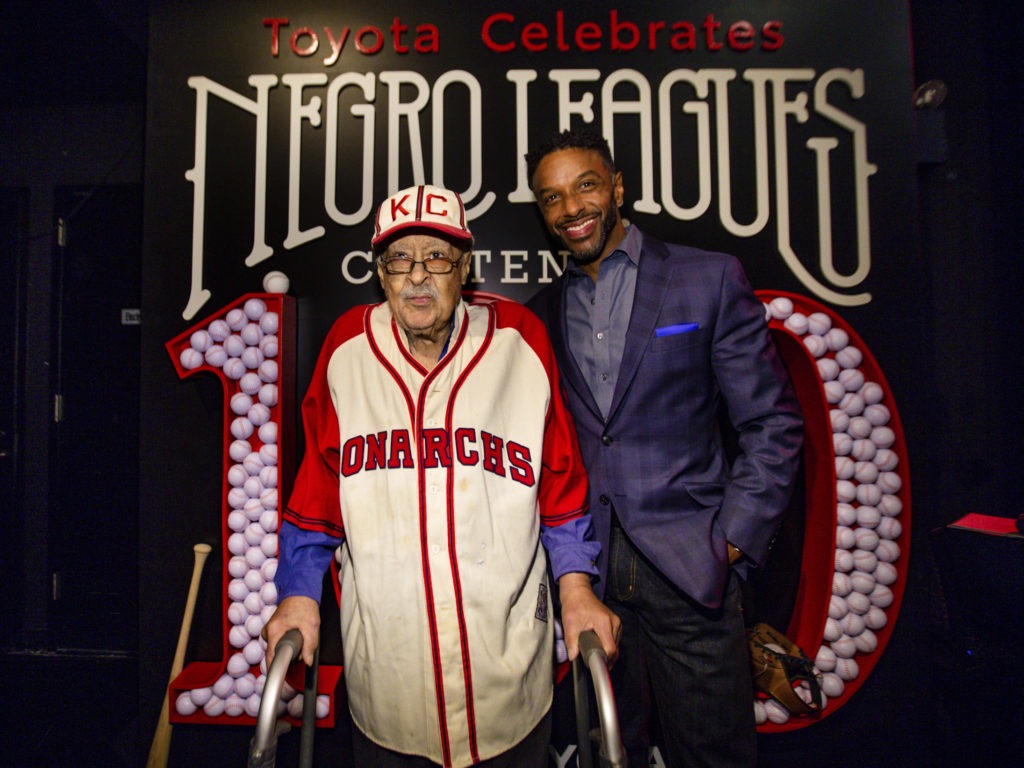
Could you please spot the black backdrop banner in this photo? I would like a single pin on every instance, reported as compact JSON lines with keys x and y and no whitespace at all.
{"x":781,"y":132}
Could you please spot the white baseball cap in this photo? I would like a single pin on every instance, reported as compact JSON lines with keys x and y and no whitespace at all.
{"x":421,"y":207}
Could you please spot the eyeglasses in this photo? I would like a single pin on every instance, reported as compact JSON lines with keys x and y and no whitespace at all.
{"x":403,"y":265}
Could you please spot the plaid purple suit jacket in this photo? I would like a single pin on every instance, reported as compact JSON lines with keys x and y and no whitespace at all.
{"x":697,"y":339}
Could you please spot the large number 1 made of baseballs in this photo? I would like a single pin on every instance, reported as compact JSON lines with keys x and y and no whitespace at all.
{"x":856,"y":520}
{"x":249,"y":345}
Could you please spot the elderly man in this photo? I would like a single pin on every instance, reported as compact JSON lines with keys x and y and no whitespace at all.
{"x":439,"y":456}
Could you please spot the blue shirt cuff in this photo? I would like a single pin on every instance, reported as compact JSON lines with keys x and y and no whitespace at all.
{"x":303,"y":557}
{"x":571,"y":547}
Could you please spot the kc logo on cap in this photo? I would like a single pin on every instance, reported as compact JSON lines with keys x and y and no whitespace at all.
{"x":421,"y":207}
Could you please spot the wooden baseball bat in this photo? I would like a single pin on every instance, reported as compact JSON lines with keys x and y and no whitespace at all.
{"x":160,"y":748}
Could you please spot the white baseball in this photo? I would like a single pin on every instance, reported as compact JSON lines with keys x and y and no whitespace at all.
{"x":863,"y":449}
{"x":252,"y":463}
{"x":781,"y":307}
{"x":888,"y":551}
{"x":872,"y":392}
{"x":251,"y":334}
{"x":184,"y":705}
{"x":234,"y":346}
{"x":852,"y":379}
{"x":215,"y":356}
{"x":828,"y":369}
{"x":269,"y":345}
{"x":276,"y":282}
{"x":200,"y":696}
{"x":237,"y":522}
{"x":847,"y":669}
{"x":851,"y":403}
{"x":797,"y":323}
{"x":832,"y":685}
{"x":269,"y":569}
{"x":837,"y":607}
{"x":268,"y":594}
{"x":190,"y":359}
{"x":237,"y":613}
{"x":849,"y":357}
{"x":323,"y":706}
{"x":200,"y":341}
{"x":867,"y":516}
{"x":219,"y":330}
{"x":886,"y":459}
{"x":236,"y":544}
{"x":223,"y":687}
{"x":253,"y":651}
{"x":867,"y":539}
{"x":866,"y":641}
{"x":268,"y":371}
{"x":254,"y":557}
{"x":253,"y":535}
{"x":843,"y":561}
{"x":837,"y":339}
{"x":844,"y":648}
{"x":834,"y":391}
{"x":268,"y":476}
{"x":259,"y":414}
{"x":889,"y":528}
{"x":846,"y":514}
{"x":819,"y":323}
{"x":254,"y":624}
{"x":846,"y":491}
{"x":883,"y":437}
{"x":214,"y":707}
{"x":236,"y":319}
{"x":877,"y":414}
{"x":858,"y":603}
{"x":251,"y":382}
{"x":890,"y":505}
{"x":252,"y":705}
{"x":881,"y":596}
{"x":254,"y":508}
{"x":242,"y":428}
{"x":237,"y":666}
{"x":845,"y":537}
{"x":842,"y":443}
{"x":861,"y":428}
{"x":833,"y":630}
{"x":842,"y":584}
{"x":245,"y":686}
{"x":868,"y":494}
{"x":777,"y":713}
{"x":890,"y":482}
{"x":268,"y":432}
{"x":268,"y":520}
{"x":862,"y":582}
{"x":866,"y":472}
{"x":864,"y":560}
{"x":886,"y":574}
{"x":253,"y":577}
{"x":269,"y":547}
{"x":845,"y":467}
{"x":239,"y":449}
{"x":270,"y":322}
{"x":268,"y":499}
{"x":852,"y":624}
{"x":268,"y":395}
{"x":839,"y":419}
{"x":816,"y":345}
{"x":253,"y":603}
{"x":825,"y":661}
{"x":252,"y":357}
{"x":875,"y":618}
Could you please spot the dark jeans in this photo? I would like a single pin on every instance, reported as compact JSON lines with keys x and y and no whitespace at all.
{"x":531,"y":752}
{"x":694,"y":661}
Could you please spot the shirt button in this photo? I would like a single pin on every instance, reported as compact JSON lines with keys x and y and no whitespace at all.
{"x":604,"y":377}
{"x":606,"y":439}
{"x":600,"y":336}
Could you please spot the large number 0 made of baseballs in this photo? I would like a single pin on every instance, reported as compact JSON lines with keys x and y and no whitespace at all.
{"x":857,"y":515}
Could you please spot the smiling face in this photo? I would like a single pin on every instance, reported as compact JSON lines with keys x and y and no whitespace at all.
{"x":421,"y":301}
{"x":579,"y":198}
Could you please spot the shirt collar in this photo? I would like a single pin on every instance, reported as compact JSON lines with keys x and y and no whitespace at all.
{"x":630,"y":247}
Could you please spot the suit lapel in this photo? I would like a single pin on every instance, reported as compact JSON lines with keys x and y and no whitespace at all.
{"x":651,"y":284}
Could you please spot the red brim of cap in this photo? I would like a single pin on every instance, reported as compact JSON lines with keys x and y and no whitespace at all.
{"x":460,"y":235}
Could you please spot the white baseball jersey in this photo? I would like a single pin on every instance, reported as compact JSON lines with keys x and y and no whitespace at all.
{"x":439,"y":482}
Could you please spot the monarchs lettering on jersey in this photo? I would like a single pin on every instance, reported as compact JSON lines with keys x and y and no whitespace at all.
{"x":438,"y":448}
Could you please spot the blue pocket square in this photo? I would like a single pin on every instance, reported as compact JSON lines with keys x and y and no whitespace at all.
{"x":672,"y":330}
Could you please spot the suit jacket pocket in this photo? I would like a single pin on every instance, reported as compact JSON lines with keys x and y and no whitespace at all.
{"x":678,"y":341}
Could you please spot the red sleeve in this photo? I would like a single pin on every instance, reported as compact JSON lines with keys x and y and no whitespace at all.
{"x":314,"y":503}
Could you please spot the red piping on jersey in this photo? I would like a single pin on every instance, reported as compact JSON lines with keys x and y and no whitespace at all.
{"x":414,"y":418}
{"x":467,"y":672}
